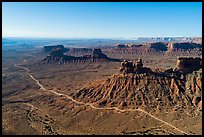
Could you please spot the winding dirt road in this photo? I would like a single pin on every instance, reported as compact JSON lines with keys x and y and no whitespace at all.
{"x":100,"y":108}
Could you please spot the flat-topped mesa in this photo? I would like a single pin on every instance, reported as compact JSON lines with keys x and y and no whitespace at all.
{"x":57,"y":55}
{"x":48,"y":49}
{"x":128,"y":45}
{"x":134,"y":45}
{"x":97,"y":51}
{"x":186,"y":45}
{"x":136,"y":67}
{"x":188,"y":64}
{"x":79,"y":51}
{"x":118,"y":45}
{"x":97,"y":54}
{"x":56,"y":52}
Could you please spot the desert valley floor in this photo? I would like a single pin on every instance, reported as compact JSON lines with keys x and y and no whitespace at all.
{"x":94,"y":97}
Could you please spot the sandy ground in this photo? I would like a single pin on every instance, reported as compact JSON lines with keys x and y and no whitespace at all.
{"x":29,"y":110}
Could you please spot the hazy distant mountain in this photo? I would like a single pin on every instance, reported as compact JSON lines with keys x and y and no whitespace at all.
{"x":169,"y":39}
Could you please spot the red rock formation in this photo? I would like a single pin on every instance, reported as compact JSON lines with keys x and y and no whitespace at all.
{"x":170,"y":70}
{"x":151,"y":91}
{"x":97,"y":54}
{"x":197,"y":40}
{"x":168,"y":49}
{"x":56,"y":52}
{"x":79,"y":51}
{"x":120,"y":45}
{"x":136,"y":67}
{"x":134,"y":45}
{"x":188,"y":64}
{"x":48,"y":49}
{"x":200,"y":105}
{"x":194,"y":88}
{"x":127,"y":67}
{"x":186,"y":45}
{"x":57,"y":56}
{"x":159,"y":46}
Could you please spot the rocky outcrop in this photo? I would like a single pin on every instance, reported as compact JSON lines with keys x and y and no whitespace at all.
{"x":185,"y":45}
{"x":128,"y":45}
{"x":169,"y":70}
{"x":197,"y":40}
{"x":57,"y":52}
{"x":120,"y":45}
{"x":97,"y":54}
{"x":79,"y":51}
{"x":134,"y":45}
{"x":136,"y":67}
{"x":188,"y":64}
{"x":193,"y":88}
{"x":152,"y":91}
{"x":140,"y":90}
{"x":139,"y":67}
{"x":48,"y":49}
{"x":127,"y":67}
{"x":200,"y":105}
{"x":158,"y":46}
{"x":165,"y":49}
{"x":161,"y":46}
{"x":57,"y":56}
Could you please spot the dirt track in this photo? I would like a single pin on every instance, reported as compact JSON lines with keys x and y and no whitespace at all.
{"x":100,"y":108}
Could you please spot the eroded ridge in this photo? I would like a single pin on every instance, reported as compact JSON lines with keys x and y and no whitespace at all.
{"x":100,"y":108}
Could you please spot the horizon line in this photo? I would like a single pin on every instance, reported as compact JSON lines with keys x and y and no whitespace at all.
{"x":103,"y":37}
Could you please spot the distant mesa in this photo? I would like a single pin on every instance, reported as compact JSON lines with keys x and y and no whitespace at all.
{"x":97,"y":54}
{"x":145,"y":47}
{"x":120,"y":45}
{"x":48,"y":49}
{"x":184,"y":45}
{"x":57,"y":52}
{"x":161,"y":46}
{"x":57,"y":56}
{"x":197,"y":40}
{"x":80,"y":51}
{"x":171,"y":39}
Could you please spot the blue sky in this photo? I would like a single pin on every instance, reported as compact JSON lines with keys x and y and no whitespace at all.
{"x":101,"y":19}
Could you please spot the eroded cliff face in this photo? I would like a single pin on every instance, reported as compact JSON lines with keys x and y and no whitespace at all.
{"x":188,"y":64}
{"x":147,"y":91}
{"x":167,"y":48}
{"x":79,"y":51}
{"x":194,"y":88}
{"x":133,"y":67}
{"x":162,"y":46}
{"x":151,"y":91}
{"x":186,"y":45}
{"x":57,"y":56}
{"x":97,"y":54}
{"x":48,"y":49}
